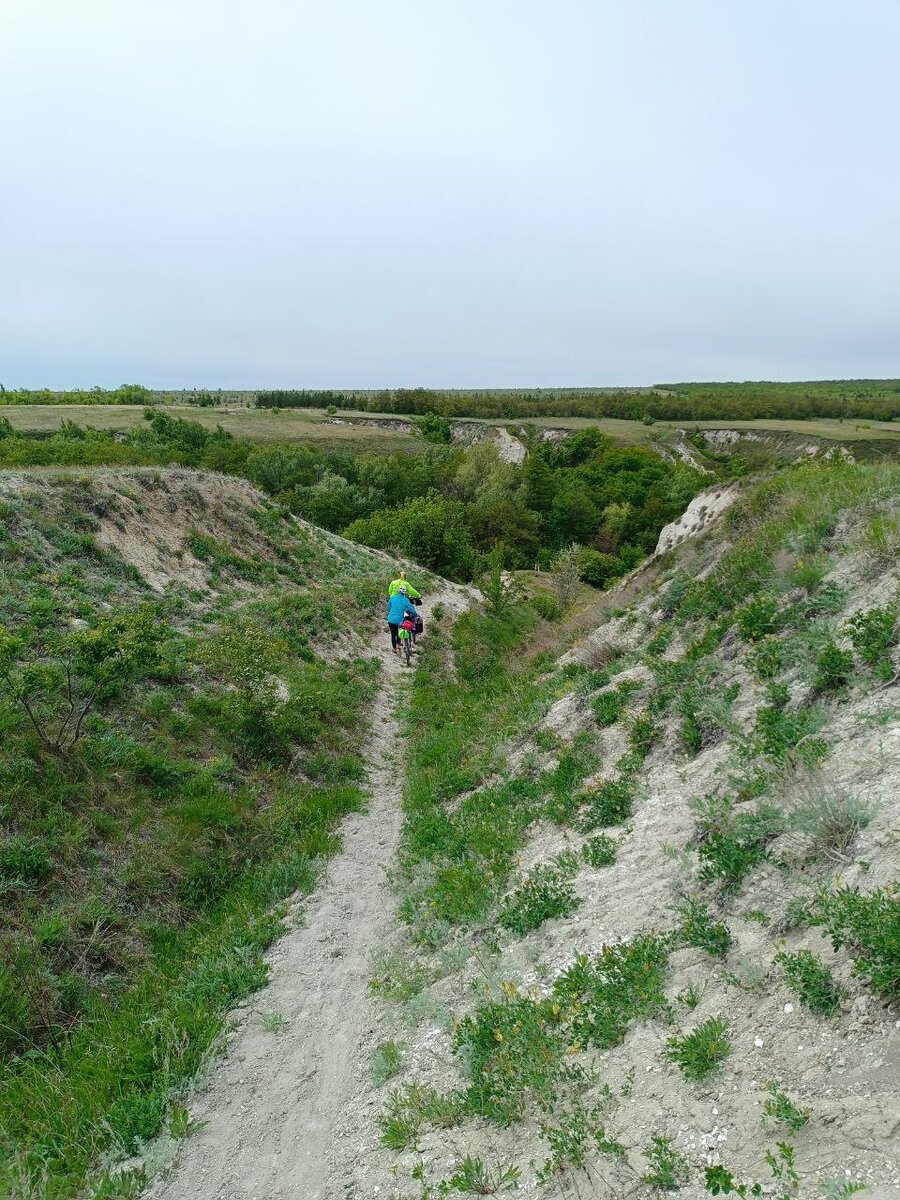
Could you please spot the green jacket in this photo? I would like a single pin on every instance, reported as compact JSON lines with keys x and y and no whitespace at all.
{"x":395,"y":585}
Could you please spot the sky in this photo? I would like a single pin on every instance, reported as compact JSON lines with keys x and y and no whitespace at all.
{"x":447,"y":193}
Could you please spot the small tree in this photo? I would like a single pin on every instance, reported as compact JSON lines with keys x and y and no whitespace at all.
{"x":501,"y":590}
{"x":566,"y":575}
{"x":88,"y":667}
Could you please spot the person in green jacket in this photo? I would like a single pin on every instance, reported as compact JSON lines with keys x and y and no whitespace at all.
{"x":395,"y":585}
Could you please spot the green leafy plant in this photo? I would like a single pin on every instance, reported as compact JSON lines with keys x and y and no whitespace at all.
{"x":699,"y":929}
{"x":611,"y":703}
{"x":608,"y":804}
{"x":731,"y":844}
{"x":779,"y":1107}
{"x":834,"y":668}
{"x":757,"y":618}
{"x":667,"y":1169}
{"x":599,"y":851}
{"x":546,"y":893}
{"x":874,"y":633}
{"x":386,"y":1061}
{"x":721,"y":1182}
{"x":574,"y":1136}
{"x":869,"y":926}
{"x":475,"y":1177}
{"x":811,"y":981}
{"x":702,"y":1051}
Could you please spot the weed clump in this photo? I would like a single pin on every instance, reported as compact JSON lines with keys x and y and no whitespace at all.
{"x":608,"y":804}
{"x":781,"y":1109}
{"x":703,"y":1051}
{"x":731,"y":844}
{"x":603,"y":993}
{"x":546,"y":893}
{"x":869,"y":926}
{"x":386,"y":1061}
{"x":599,"y":851}
{"x":574,"y":1136}
{"x":834,"y":668}
{"x":699,"y":929}
{"x":873,"y":634}
{"x":667,"y":1169}
{"x":612,"y":703}
{"x":811,"y":981}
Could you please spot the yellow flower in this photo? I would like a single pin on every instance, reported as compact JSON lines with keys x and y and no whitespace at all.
{"x":498,"y":1035}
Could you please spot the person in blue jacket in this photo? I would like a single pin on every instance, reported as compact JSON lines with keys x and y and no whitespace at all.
{"x":398,"y":606}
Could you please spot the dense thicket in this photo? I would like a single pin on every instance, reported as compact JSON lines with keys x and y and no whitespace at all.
{"x":446,"y":508}
{"x":127,"y":393}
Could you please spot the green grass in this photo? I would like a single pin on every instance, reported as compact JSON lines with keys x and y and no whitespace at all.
{"x":545,"y":893}
{"x":142,"y":865}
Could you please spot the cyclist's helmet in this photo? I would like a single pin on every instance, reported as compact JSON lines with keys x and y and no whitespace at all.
{"x":403,"y":590}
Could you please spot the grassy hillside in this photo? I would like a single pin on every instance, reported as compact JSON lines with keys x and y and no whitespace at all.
{"x":185,"y":671}
{"x":650,"y":891}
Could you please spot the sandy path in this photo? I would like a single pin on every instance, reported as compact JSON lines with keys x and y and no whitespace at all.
{"x":273,"y":1107}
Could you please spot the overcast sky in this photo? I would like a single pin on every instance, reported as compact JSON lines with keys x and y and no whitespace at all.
{"x":447,"y":192}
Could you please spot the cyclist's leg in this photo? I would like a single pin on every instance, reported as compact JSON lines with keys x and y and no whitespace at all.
{"x":395,"y":640}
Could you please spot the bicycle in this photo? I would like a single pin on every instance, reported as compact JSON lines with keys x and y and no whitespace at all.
{"x":405,"y":634}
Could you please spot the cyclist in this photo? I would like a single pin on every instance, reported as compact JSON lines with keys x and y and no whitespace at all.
{"x":396,"y":584}
{"x":399,"y":606}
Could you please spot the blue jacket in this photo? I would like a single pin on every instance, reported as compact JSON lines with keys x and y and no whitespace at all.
{"x":399,"y":606}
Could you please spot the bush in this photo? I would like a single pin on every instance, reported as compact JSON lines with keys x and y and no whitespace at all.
{"x":598,"y":569}
{"x":702,"y":1052}
{"x":546,"y":605}
{"x":834,"y":668}
{"x":544,"y":894}
{"x":873,"y":634}
{"x":731,"y":845}
{"x":599,"y":851}
{"x":869,"y":926}
{"x":608,"y":804}
{"x":757,"y":618}
{"x":811,"y":981}
{"x":700,"y":930}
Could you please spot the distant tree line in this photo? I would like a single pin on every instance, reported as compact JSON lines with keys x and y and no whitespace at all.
{"x":871,"y":399}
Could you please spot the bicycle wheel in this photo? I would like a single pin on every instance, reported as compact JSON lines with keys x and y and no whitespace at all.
{"x":407,"y":650}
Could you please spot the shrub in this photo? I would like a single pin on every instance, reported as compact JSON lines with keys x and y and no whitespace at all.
{"x":777,"y":731}
{"x":834,"y":668}
{"x":811,"y":981}
{"x":667,"y":1169}
{"x":869,"y":926}
{"x":757,"y":618}
{"x":570,"y":1141}
{"x":546,"y":605}
{"x":768,"y":658}
{"x":599,"y":851}
{"x":513,"y":1051}
{"x":699,"y":929}
{"x":608,"y":804}
{"x":605,"y":992}
{"x":544,"y":894}
{"x":731,"y":845}
{"x":829,"y":816}
{"x":703,"y":1051}
{"x":873,"y":634}
{"x":779,"y":1108}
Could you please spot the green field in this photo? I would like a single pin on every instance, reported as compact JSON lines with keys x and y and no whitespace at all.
{"x":313,"y":425}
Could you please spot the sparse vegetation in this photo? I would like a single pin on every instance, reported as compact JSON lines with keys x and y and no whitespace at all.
{"x":811,"y":981}
{"x":781,"y":1109}
{"x":667,"y":1169}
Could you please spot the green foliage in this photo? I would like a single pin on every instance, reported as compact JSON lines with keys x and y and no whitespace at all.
{"x":545,"y":894}
{"x":721,"y":1182}
{"x":605,"y":992}
{"x":698,"y":929}
{"x":811,"y":981}
{"x":667,"y":1170}
{"x":834,"y":668}
{"x":572,"y":1138}
{"x":702,"y":1051}
{"x":611,"y":703}
{"x":874,"y":633}
{"x":599,"y":851}
{"x":779,"y":731}
{"x":23,"y":860}
{"x":757,"y":618}
{"x":513,"y":1052}
{"x":607,"y":804}
{"x":500,"y":590}
{"x":869,"y":927}
{"x":474,"y":1177}
{"x":781,"y":1109}
{"x":731,"y":844}
{"x":546,"y":606}
{"x":434,"y":428}
{"x":386,"y":1061}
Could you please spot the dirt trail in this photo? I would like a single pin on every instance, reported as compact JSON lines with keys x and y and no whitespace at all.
{"x":272,"y":1109}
